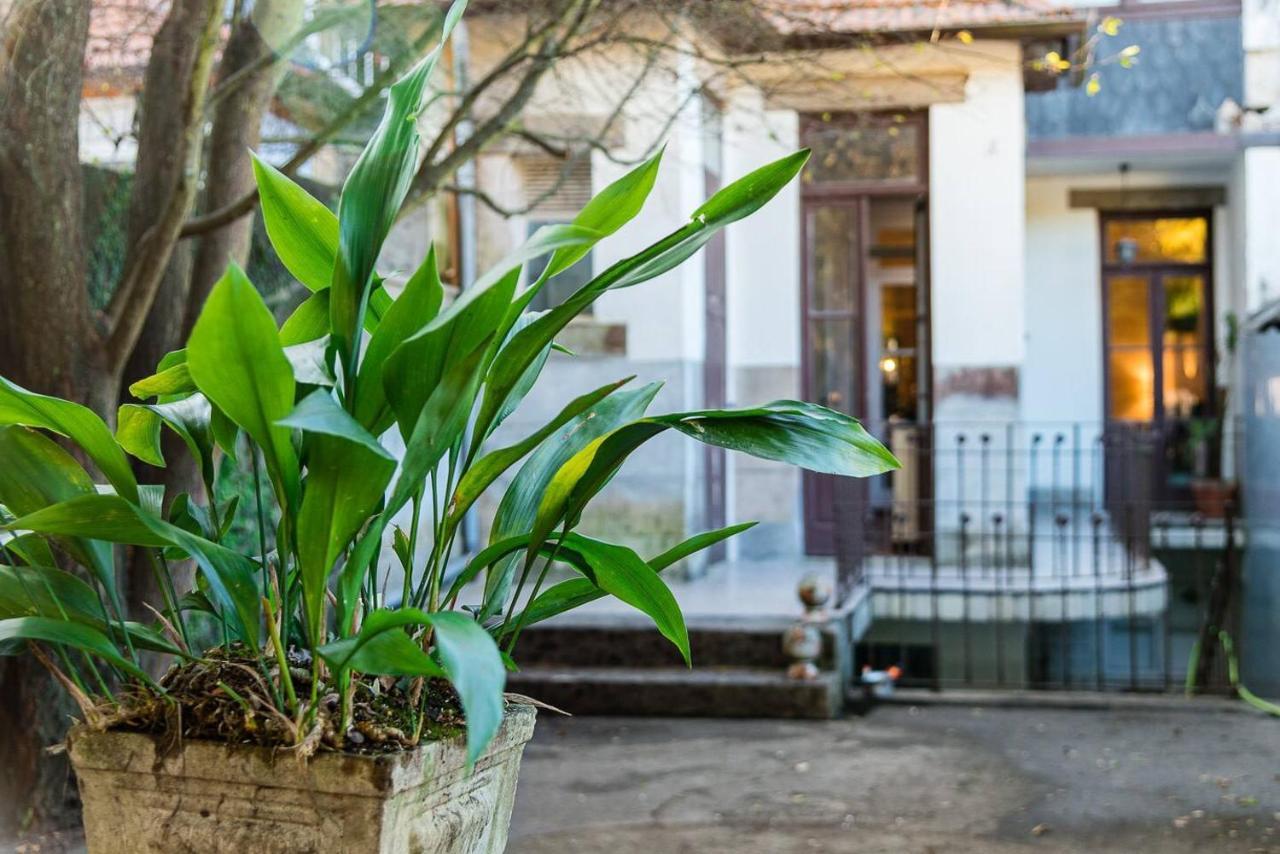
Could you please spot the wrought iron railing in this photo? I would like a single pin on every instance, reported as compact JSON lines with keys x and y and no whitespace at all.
{"x":1054,"y":555}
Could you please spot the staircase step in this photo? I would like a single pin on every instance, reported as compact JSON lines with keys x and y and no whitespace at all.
{"x":681,"y":692}
{"x":635,"y":643}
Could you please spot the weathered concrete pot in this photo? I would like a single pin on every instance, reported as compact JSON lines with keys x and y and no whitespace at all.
{"x":210,"y":796}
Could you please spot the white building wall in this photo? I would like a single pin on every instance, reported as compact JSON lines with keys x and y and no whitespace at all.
{"x":977,"y":218}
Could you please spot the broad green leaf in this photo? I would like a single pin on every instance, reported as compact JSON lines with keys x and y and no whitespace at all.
{"x":735,"y":201}
{"x":236,"y":359}
{"x":138,"y":430}
{"x":28,"y":548}
{"x":623,"y":574}
{"x":801,"y":434}
{"x":371,"y":198}
{"x":42,"y":591}
{"x":576,"y":592}
{"x":78,"y":423}
{"x":309,"y":364}
{"x":481,"y":475}
{"x":439,"y":425}
{"x":467,"y":654}
{"x":231,"y":576}
{"x":35,"y":473}
{"x":345,"y":483}
{"x":309,"y":321}
{"x":474,"y":667}
{"x":519,"y":505}
{"x":319,"y":413}
{"x":46,"y":630}
{"x":172,"y":380}
{"x":93,"y":516}
{"x":610,"y":209}
{"x":303,"y":231}
{"x":417,"y":305}
{"x":751,"y":192}
{"x":381,"y":653}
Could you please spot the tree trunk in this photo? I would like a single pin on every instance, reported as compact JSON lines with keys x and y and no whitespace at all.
{"x":47,"y":341}
{"x":197,"y":264}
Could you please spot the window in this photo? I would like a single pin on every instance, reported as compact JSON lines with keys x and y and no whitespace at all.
{"x":556,"y":189}
{"x":862,"y":149}
{"x":1158,"y":331}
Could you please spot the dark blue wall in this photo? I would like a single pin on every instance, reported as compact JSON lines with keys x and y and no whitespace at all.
{"x":1184,"y":71}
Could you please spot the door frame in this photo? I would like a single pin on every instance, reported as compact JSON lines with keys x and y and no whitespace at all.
{"x":1155,"y":272}
{"x":820,"y":535}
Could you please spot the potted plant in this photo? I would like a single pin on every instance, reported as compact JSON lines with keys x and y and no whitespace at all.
{"x":319,"y":696}
{"x":1211,"y":490}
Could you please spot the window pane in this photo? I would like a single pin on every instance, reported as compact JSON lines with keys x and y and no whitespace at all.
{"x":1184,"y":381}
{"x":897,"y":317}
{"x":832,"y":270}
{"x":1180,"y":240}
{"x":1183,"y":307}
{"x":1132,"y":384}
{"x":1128,"y":310}
{"x":873,"y":148}
{"x":898,"y":386}
{"x":831,"y":363}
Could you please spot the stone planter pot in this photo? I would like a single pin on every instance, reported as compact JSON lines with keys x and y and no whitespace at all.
{"x":210,"y":796}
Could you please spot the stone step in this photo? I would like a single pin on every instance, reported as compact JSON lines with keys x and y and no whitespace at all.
{"x":635,"y":643}
{"x":681,"y":692}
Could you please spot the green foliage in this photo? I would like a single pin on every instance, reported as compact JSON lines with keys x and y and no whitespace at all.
{"x":301,"y":489}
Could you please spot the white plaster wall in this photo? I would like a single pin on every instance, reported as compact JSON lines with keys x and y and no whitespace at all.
{"x":763,"y":251}
{"x":977,"y":217}
{"x":103,"y":121}
{"x":1062,"y":372}
{"x":1260,"y":187}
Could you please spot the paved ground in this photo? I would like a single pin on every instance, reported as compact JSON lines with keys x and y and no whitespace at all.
{"x":924,"y":779}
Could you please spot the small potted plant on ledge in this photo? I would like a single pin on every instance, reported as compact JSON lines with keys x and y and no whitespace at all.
{"x":319,"y":697}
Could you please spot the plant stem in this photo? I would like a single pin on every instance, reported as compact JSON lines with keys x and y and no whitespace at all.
{"x":413,"y":547}
{"x":286,"y":679}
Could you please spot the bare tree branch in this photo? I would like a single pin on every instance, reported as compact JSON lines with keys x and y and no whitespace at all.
{"x":171,"y":148}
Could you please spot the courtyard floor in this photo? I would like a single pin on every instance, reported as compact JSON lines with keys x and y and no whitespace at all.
{"x":930,"y":778}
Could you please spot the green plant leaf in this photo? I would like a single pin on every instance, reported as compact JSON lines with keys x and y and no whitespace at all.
{"x":44,"y":629}
{"x":466,"y":652}
{"x":175,"y":379}
{"x":481,"y":475}
{"x":439,"y":425}
{"x":518,"y":508}
{"x":735,"y":201}
{"x":231,"y":576}
{"x":42,"y":591}
{"x":576,"y":592}
{"x":78,"y":423}
{"x":417,"y":305}
{"x":371,"y":198}
{"x":318,"y":412}
{"x":303,"y":231}
{"x":623,"y":574}
{"x":309,"y":321}
{"x":236,"y":359}
{"x":138,"y":430}
{"x":35,"y":473}
{"x":609,"y":210}
{"x":468,"y":658}
{"x":751,"y":192}
{"x":474,"y":667}
{"x":345,"y":483}
{"x":802,"y":434}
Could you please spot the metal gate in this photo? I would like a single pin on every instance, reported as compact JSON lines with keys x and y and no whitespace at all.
{"x":1050,"y":556}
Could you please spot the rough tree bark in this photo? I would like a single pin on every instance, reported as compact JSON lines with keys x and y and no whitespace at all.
{"x":50,"y":339}
{"x":46,"y":338}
